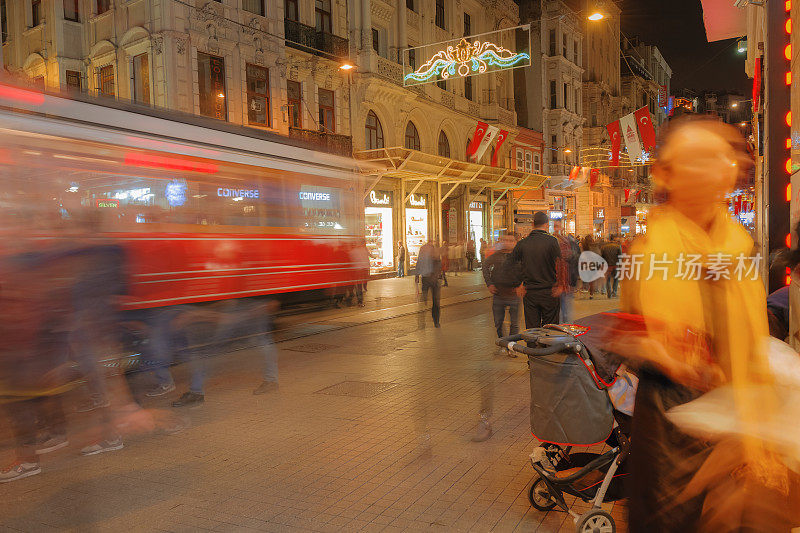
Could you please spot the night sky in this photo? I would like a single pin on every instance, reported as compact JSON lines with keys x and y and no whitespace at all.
{"x":676,"y":27}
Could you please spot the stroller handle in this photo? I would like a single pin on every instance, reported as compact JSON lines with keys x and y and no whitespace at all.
{"x":512,"y":344}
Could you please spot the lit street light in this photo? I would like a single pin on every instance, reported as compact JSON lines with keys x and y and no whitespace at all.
{"x":346,"y":66}
{"x":567,"y":151}
{"x":596,"y":16}
{"x":735,"y":105}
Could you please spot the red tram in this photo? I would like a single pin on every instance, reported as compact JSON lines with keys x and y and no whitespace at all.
{"x":204,"y":211}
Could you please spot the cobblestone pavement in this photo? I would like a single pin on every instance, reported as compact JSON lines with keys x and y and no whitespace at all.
{"x":370,"y":431}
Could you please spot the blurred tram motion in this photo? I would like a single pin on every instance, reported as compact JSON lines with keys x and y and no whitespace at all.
{"x":204,"y":212}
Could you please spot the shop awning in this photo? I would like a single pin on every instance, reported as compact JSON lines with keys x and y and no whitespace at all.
{"x":723,"y":20}
{"x":412,"y":165}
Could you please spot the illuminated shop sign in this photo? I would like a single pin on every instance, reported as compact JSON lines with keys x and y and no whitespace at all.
{"x":379,"y":198}
{"x":237,"y":193}
{"x":135,"y":195}
{"x":599,"y":212}
{"x":175,"y":193}
{"x":315,"y":196}
{"x":468,"y":56}
{"x":556,"y":215}
{"x":476,"y":205}
{"x":417,"y":201}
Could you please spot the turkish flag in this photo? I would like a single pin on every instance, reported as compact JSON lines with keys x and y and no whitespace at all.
{"x":477,"y":137}
{"x":616,"y":140}
{"x":638,"y":192}
{"x":574,"y":172}
{"x":627,"y":194}
{"x":646,"y":129}
{"x":501,"y":137}
{"x":737,"y":205}
{"x":594,"y":175}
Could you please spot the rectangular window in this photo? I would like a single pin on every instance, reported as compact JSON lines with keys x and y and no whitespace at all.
{"x":553,"y":149}
{"x":254,"y":6}
{"x":103,"y":6}
{"x":376,"y":41}
{"x":566,"y":96}
{"x":106,"y":81}
{"x":73,"y":79}
{"x":211,"y":85}
{"x":327,"y":120}
{"x":467,"y":25}
{"x":294,"y":97}
{"x":520,"y":159}
{"x":576,"y":52}
{"x":593,"y":113}
{"x":323,"y":15}
{"x":537,"y":163}
{"x":468,"y":88}
{"x":439,"y":18}
{"x":442,"y":84}
{"x":552,"y":42}
{"x":36,"y":13}
{"x":410,"y":5}
{"x":553,"y":103}
{"x":577,"y":101}
{"x":412,"y":59}
{"x":290,"y":10}
{"x":141,"y":79}
{"x":70,"y":10}
{"x":258,"y":96}
{"x":5,"y":20}
{"x":564,"y":45}
{"x":528,"y":161}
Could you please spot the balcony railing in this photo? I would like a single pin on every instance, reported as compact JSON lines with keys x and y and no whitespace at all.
{"x":323,"y":141}
{"x":308,"y":39}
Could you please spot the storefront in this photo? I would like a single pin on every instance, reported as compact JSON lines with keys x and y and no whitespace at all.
{"x":416,"y":225}
{"x":627,"y":224}
{"x":641,"y":220}
{"x":599,"y":221}
{"x":379,"y":231}
{"x":476,"y":226}
{"x":500,"y":215}
{"x":562,"y":208}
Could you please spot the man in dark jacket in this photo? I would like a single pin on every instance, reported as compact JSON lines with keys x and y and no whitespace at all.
{"x":503,"y":276}
{"x":538,"y":254}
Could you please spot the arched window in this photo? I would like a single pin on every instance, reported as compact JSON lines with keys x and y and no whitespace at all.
{"x":444,"y":145}
{"x":373,"y":132}
{"x":412,"y":137}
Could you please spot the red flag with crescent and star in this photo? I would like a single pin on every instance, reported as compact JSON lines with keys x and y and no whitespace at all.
{"x":594,"y":175}
{"x":616,"y":141}
{"x":477,"y":137}
{"x":646,"y":129}
{"x":501,"y":138}
{"x":627,"y":194}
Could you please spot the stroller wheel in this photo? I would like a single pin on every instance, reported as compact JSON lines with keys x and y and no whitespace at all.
{"x":539,"y":495}
{"x":596,"y":521}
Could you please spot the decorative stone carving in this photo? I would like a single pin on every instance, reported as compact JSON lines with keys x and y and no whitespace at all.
{"x":180,"y":45}
{"x":412,"y":19}
{"x":158,"y":44}
{"x":381,"y":11}
{"x":449,"y":100}
{"x":390,"y":69}
{"x":293,"y":73}
{"x":474,"y":109}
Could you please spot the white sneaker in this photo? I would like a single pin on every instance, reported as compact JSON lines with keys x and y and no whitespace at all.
{"x":108,"y":445}
{"x":18,"y":471}
{"x":160,"y":390}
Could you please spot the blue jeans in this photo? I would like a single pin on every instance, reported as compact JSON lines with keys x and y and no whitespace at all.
{"x":612,"y":284}
{"x":401,"y":269}
{"x":499,"y":305}
{"x":566,"y":306}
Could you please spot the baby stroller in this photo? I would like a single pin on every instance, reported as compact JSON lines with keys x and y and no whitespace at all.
{"x":570,"y":406}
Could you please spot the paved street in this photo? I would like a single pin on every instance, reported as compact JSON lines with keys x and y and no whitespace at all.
{"x":370,"y":431}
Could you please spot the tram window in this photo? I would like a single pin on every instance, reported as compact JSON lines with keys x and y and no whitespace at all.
{"x":320,"y":209}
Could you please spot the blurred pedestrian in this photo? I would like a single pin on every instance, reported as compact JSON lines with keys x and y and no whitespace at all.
{"x":566,"y":263}
{"x":611,"y":252}
{"x":359,"y":258}
{"x":401,"y":259}
{"x":470,"y":254}
{"x":445,"y":253}
{"x":590,"y":245}
{"x":428,"y":270}
{"x":538,"y":254}
{"x":482,"y":252}
{"x":699,"y":333}
{"x":503,"y":277}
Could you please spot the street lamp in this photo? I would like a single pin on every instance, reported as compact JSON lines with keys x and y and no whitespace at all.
{"x":735,"y":105}
{"x":596,"y":16}
{"x":346,"y":66}
{"x":567,"y":151}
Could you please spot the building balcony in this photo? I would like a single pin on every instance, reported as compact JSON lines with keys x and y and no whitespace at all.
{"x":308,"y":39}
{"x":324,"y":141}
